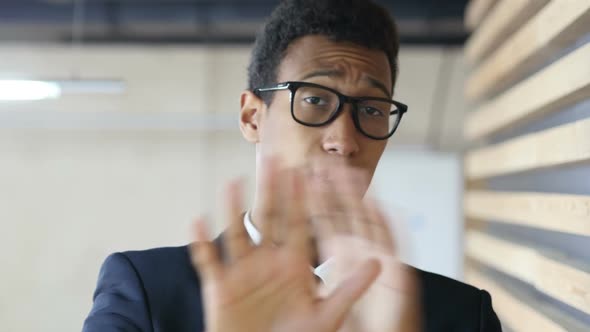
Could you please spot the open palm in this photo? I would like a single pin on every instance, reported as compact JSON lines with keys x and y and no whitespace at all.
{"x":351,"y":231}
{"x":269,"y":287}
{"x":388,"y":304}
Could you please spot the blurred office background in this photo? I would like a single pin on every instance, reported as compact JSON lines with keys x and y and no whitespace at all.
{"x":144,"y":135}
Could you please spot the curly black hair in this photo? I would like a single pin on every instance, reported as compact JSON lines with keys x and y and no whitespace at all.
{"x":362,"y":22}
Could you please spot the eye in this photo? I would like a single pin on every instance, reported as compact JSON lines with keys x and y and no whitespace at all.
{"x":372,"y":111}
{"x":314,"y":100}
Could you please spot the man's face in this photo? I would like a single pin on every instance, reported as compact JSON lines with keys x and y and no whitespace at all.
{"x":348,"y":68}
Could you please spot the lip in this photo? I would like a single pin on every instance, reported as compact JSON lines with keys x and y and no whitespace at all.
{"x":319,"y":181}
{"x":319,"y":172}
{"x":323,"y":180}
{"x":320,"y":176}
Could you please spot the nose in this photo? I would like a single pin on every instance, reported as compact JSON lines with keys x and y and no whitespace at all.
{"x":341,"y":135}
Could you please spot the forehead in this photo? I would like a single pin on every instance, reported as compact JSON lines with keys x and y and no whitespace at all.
{"x":315,"y":52}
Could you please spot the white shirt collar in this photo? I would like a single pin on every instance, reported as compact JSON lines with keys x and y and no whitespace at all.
{"x":256,"y":237}
{"x":254,"y":234}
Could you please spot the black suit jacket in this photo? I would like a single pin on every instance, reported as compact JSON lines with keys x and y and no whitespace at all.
{"x":157,"y":290}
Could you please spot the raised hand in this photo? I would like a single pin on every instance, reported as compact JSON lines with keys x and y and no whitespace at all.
{"x":352,"y":231}
{"x":270,"y":287}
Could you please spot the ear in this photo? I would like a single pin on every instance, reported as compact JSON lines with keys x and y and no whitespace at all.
{"x":250,"y":116}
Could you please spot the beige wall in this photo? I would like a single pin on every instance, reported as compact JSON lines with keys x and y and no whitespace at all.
{"x":71,"y":198}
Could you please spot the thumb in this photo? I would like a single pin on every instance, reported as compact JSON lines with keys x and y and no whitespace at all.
{"x":336,"y":307}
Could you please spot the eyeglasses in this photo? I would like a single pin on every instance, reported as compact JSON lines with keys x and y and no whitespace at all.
{"x":315,"y":105}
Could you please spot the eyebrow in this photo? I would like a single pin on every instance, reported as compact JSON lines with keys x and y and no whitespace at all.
{"x":338,"y":73}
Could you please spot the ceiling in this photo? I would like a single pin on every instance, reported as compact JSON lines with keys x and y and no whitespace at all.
{"x":430,"y":22}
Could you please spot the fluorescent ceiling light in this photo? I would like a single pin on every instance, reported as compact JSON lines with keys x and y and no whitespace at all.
{"x":31,"y":90}
{"x":24,"y":90}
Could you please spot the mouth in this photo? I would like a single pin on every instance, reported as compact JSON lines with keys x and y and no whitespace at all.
{"x":320,"y":180}
{"x":323,"y":173}
{"x":328,"y":175}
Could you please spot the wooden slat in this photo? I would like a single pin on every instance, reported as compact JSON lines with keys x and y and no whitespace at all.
{"x":561,"y":84}
{"x":512,"y":311}
{"x":556,"y":26}
{"x":506,"y":17}
{"x":515,"y":260}
{"x":475,"y":12}
{"x":557,"y":212}
{"x":557,"y":146}
{"x":561,"y":281}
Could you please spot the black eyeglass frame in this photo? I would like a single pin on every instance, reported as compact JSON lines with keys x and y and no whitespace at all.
{"x":292,"y":86}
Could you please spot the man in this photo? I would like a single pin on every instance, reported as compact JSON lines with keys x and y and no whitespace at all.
{"x":321,"y":82}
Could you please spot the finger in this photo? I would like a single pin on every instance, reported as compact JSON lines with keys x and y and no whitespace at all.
{"x":283,"y":196}
{"x":337,"y":306}
{"x":352,"y":190}
{"x":269,"y":209}
{"x":298,"y":231}
{"x":319,"y":185}
{"x":380,"y":229}
{"x":410,"y":315}
{"x":236,"y":240}
{"x":335,"y":200}
{"x":204,"y":255}
{"x":319,"y":217}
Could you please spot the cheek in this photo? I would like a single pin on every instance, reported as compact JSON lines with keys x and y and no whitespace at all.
{"x":373,"y":150}
{"x":299,"y":143}
{"x":278,"y":125}
{"x":289,"y":140}
{"x":379,"y":148}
